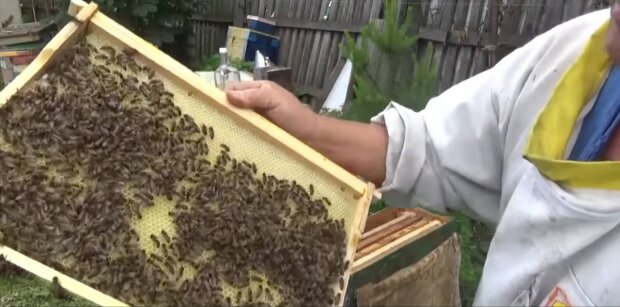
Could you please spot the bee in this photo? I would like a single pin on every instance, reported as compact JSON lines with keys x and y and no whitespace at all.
{"x":341,"y":283}
{"x":103,"y":68}
{"x":165,"y":235}
{"x":110,"y":50}
{"x":119,"y":74}
{"x":155,"y":241}
{"x":102,"y":57}
{"x":311,"y":190}
{"x":170,"y":267}
{"x":238,"y":297}
{"x":326,"y":200}
{"x":268,"y":294}
{"x":58,"y":291}
{"x":157,"y":258}
{"x":129,"y":51}
{"x":180,"y":273}
{"x":211,"y":133}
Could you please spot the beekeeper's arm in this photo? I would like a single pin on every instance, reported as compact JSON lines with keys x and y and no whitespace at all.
{"x":447,"y":157}
{"x":450,"y":155}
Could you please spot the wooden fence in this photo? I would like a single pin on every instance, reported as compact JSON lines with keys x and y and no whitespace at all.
{"x":469,"y":35}
{"x":35,"y":10}
{"x":472,"y":35}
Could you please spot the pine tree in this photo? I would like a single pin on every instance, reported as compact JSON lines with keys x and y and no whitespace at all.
{"x":407,"y":85}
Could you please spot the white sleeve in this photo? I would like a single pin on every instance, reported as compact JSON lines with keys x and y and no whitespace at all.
{"x":450,"y":155}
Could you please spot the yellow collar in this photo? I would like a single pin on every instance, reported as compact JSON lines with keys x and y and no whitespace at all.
{"x":553,"y":128}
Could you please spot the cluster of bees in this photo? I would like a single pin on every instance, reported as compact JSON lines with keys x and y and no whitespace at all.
{"x":98,"y":141}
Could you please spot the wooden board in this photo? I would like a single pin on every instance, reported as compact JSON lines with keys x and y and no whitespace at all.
{"x":401,"y":216}
{"x":389,"y":229}
{"x":385,"y":229}
{"x":367,"y":260}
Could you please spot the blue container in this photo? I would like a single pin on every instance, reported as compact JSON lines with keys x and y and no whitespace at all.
{"x":243,"y":44}
{"x":261,"y":25}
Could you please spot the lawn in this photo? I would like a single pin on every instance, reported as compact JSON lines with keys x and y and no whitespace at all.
{"x":26,"y":291}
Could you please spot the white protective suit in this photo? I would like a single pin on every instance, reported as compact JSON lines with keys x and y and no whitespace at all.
{"x":495,"y":146}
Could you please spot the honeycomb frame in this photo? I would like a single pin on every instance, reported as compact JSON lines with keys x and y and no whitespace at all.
{"x":89,"y":22}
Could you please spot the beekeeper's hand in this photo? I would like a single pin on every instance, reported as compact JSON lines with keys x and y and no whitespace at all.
{"x":358,"y":147}
{"x":276,"y":104}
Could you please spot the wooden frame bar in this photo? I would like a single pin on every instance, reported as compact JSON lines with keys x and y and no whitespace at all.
{"x":87,"y":19}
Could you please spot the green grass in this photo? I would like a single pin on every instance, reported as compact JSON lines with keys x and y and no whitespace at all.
{"x":27,"y":291}
{"x":475,"y":240}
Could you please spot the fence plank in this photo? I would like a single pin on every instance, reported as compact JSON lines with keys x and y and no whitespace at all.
{"x":465,"y":20}
{"x":341,"y":8}
{"x":303,"y":43}
{"x":322,"y":53}
{"x":375,"y":9}
{"x":449,"y":52}
{"x":296,"y":42}
{"x":291,"y":9}
{"x":269,"y":8}
{"x":533,"y":10}
{"x":358,"y":7}
{"x":573,"y":9}
{"x":331,"y":47}
{"x":553,"y":14}
{"x":366,"y":10}
{"x":312,"y":46}
{"x":277,"y":8}
{"x":480,"y":58}
{"x":205,"y":36}
{"x":283,"y":10}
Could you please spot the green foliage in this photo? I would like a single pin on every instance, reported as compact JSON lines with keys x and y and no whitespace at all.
{"x":158,"y":21}
{"x":410,"y":85}
{"x":333,"y":113}
{"x":377,"y":206}
{"x":475,"y":241}
{"x":211,"y":63}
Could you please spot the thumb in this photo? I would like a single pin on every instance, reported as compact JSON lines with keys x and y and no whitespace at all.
{"x":248,"y":99}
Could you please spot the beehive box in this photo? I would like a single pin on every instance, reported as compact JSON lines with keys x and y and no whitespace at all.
{"x":107,"y":207}
{"x":395,"y":241}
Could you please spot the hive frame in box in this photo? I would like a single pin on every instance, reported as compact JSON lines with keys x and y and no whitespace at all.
{"x":86,"y":17}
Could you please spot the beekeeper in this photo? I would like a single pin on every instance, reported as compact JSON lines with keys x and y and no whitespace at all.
{"x":531,"y":146}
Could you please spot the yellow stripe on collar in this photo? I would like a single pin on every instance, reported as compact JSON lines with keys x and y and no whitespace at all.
{"x":553,"y":128}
